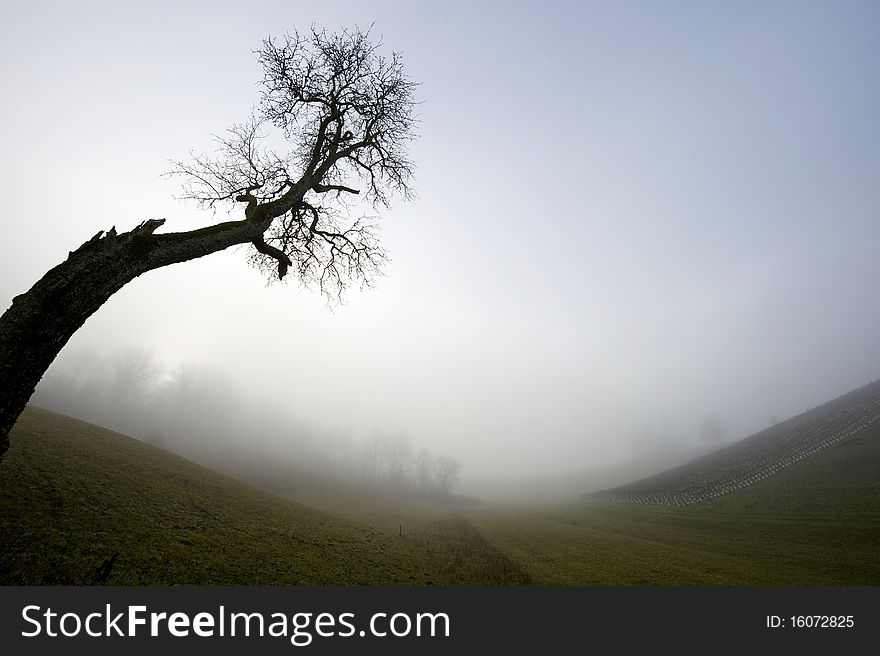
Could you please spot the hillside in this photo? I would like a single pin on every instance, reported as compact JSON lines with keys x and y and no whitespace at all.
{"x":815,"y":523}
{"x":360,"y":501}
{"x":83,"y":505}
{"x":841,"y":482}
{"x":755,"y":458}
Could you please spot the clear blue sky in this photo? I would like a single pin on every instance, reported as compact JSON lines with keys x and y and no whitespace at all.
{"x":629,"y":214}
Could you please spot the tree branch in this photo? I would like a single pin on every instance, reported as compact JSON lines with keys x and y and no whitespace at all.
{"x":266,"y":249}
{"x":348,"y":114}
{"x":320,"y":188}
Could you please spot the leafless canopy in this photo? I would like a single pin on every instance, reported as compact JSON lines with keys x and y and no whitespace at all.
{"x":345,"y":116}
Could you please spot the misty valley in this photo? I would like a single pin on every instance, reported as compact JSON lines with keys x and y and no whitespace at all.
{"x":441,"y":294}
{"x":796,"y":504}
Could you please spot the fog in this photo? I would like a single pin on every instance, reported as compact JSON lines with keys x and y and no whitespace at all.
{"x":632,"y":222}
{"x":201,"y":414}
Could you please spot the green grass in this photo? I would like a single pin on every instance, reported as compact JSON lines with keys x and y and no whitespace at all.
{"x":815,"y":523}
{"x":79,"y":504}
{"x":840,"y":482}
{"x":384,"y":508}
{"x":464,"y":555}
{"x":84,"y":505}
{"x":612,"y":545}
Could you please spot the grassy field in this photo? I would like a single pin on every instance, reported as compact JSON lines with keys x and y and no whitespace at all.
{"x":383,"y":508}
{"x":79,"y":504}
{"x":83,"y":505}
{"x":817,"y":522}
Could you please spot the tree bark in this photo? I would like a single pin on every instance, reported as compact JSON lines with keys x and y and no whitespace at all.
{"x":41,"y":321}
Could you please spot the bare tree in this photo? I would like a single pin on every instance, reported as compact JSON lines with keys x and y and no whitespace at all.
{"x":399,"y":458}
{"x":425,"y":470}
{"x":133,"y":373}
{"x":345,"y":113}
{"x":447,"y":474}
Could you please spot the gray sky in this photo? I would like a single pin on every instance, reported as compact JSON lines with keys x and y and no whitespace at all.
{"x":629,"y":214}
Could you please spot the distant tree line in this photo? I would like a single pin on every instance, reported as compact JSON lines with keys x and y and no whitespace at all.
{"x":194,"y":411}
{"x":390,"y":458}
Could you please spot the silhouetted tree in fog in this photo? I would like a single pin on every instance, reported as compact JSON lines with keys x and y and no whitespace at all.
{"x":399,"y":458}
{"x":447,"y":474}
{"x":133,"y":376}
{"x":133,"y":373}
{"x":389,"y":459}
{"x":424,"y":470}
{"x":346,"y":113}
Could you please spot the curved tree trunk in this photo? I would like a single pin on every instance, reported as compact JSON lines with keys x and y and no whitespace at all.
{"x":41,"y":321}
